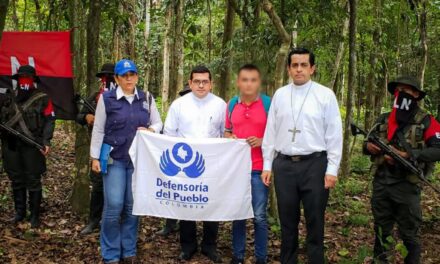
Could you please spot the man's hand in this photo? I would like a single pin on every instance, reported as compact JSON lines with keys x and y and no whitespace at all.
{"x":148,"y":129}
{"x":330,"y":181}
{"x":373,"y":149}
{"x":90,"y":119}
{"x":390,"y":159}
{"x":96,"y":166}
{"x":254,"y":141}
{"x":265,"y":177}
{"x":45,"y":151}
{"x":230,"y":135}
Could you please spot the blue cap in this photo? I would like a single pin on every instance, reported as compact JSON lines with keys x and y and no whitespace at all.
{"x":124,"y":66}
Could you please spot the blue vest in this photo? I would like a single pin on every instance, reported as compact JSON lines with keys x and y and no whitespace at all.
{"x":122,"y":121}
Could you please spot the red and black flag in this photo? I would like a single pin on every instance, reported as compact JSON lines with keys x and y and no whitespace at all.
{"x":49,"y":53}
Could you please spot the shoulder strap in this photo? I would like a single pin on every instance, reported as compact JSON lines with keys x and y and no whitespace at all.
{"x":24,"y":107}
{"x":232,"y":103}
{"x":266,"y":102}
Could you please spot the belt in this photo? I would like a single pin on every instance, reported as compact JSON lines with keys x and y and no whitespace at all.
{"x":296,"y":158}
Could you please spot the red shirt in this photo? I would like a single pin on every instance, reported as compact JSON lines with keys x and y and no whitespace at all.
{"x":247,"y":121}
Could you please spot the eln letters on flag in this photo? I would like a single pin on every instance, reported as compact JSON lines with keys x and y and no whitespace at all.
{"x":205,"y":179}
{"x":49,"y":53}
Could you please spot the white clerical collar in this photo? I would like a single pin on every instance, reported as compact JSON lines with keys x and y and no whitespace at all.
{"x":120,"y":93}
{"x":201,"y":100}
{"x":306,"y":85}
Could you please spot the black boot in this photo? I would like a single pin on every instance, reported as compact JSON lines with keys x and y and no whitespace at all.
{"x":171,"y":226}
{"x":34,"y":206}
{"x":96,"y":204}
{"x":414,"y":251}
{"x":19,"y":196}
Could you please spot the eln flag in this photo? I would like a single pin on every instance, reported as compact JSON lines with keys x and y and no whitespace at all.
{"x":50,"y":54}
{"x":191,"y":179}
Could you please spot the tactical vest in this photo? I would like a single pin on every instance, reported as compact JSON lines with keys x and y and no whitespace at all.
{"x":122,"y":121}
{"x":33,"y":116}
{"x":414,"y":135}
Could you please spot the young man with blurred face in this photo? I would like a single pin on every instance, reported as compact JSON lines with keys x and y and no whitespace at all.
{"x":246,"y":118}
{"x":199,"y":114}
{"x":303,"y":145}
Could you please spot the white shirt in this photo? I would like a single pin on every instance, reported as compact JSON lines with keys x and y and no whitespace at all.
{"x":193,"y":117}
{"x":101,"y":117}
{"x":319,"y":123}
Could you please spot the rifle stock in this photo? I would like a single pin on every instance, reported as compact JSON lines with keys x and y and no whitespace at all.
{"x":387,"y":150}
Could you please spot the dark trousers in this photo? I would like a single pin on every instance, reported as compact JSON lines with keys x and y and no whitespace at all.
{"x":296,"y":182}
{"x":188,"y":236}
{"x":397,"y":203}
{"x":96,"y":197}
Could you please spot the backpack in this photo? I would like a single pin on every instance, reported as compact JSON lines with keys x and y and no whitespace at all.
{"x":234,"y":101}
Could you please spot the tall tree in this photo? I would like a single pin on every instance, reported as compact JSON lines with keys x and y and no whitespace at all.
{"x":285,"y":40}
{"x":280,"y":68}
{"x":351,"y":87}
{"x":340,"y":54}
{"x":166,"y":58}
{"x":3,"y":12}
{"x":176,"y":70}
{"x":226,"y":67}
{"x":93,"y":28}
{"x":130,"y":10}
{"x":80,"y":188}
{"x":147,"y":27}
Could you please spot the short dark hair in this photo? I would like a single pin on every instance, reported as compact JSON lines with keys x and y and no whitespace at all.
{"x":249,"y":67}
{"x":200,"y":69}
{"x":301,"y":51}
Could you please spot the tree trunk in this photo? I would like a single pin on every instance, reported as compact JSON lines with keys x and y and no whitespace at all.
{"x":345,"y":164}
{"x":3,"y":13}
{"x":93,"y":25}
{"x":130,"y":9}
{"x":176,"y":71}
{"x":226,"y":67}
{"x":146,"y":47}
{"x":280,"y":67}
{"x":423,"y":41}
{"x":80,"y":190}
{"x":166,"y":58}
{"x":208,"y":7}
{"x":339,"y":56}
{"x":371,"y":112}
{"x":23,"y":26}
{"x":14,"y":15}
{"x":38,"y":14}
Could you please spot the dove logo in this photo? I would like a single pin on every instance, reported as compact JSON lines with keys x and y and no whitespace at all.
{"x":182,"y":159}
{"x":127,"y":64}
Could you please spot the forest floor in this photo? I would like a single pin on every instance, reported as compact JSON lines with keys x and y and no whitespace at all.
{"x":348,"y":237}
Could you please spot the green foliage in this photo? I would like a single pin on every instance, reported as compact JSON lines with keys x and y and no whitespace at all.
{"x":359,"y":219}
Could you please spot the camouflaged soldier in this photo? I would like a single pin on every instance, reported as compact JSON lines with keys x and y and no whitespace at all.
{"x":30,"y":111}
{"x":413,"y":134}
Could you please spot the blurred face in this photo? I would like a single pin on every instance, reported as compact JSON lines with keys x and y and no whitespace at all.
{"x":300,"y":69}
{"x":408,"y":89}
{"x":200,"y":84}
{"x":249,"y":82}
{"x":127,"y":81}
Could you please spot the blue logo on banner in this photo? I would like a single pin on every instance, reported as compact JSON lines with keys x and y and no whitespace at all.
{"x":182,"y":154}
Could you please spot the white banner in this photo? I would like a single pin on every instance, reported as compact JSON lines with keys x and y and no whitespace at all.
{"x":191,"y":179}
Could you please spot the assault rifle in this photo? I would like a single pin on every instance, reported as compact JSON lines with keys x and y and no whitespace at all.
{"x":387,"y":150}
{"x":22,"y":137}
{"x":85,"y":103}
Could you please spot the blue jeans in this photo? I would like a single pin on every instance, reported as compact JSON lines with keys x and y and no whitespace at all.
{"x":119,"y":226}
{"x":260,"y":194}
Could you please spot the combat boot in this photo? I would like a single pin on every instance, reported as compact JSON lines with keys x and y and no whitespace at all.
{"x":34,"y":206}
{"x":19,"y":196}
{"x":171,"y":226}
{"x":96,"y":203}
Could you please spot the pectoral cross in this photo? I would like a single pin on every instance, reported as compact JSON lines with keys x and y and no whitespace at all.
{"x":294,"y":131}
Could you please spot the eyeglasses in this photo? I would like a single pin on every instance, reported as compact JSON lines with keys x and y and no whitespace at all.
{"x":201,"y":82}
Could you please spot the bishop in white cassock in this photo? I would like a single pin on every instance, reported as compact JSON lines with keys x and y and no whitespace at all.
{"x":302,"y":145}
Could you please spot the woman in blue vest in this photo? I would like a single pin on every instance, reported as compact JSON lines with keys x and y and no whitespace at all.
{"x":119,"y":114}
